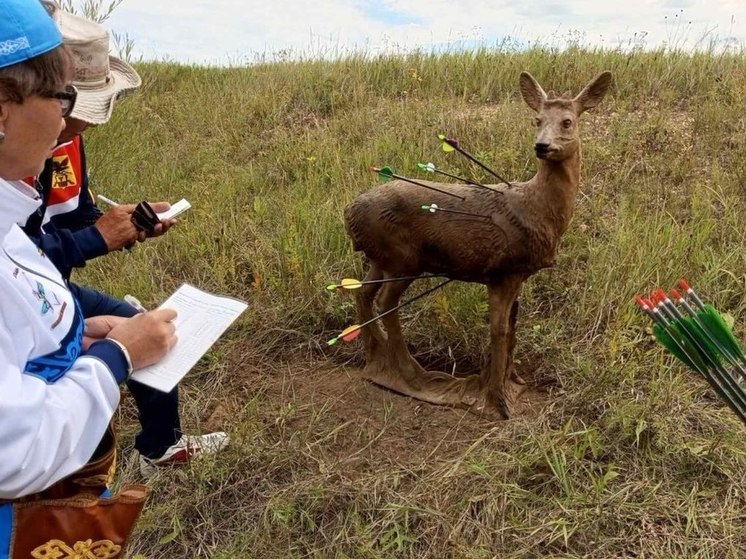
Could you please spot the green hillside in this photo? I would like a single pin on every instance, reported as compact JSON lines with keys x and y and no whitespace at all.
{"x":618,"y":453}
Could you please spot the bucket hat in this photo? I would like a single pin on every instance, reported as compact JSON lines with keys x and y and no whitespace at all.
{"x":100,"y":78}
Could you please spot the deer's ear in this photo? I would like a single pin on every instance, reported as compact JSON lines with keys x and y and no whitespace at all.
{"x":532,"y":92}
{"x":593,"y":93}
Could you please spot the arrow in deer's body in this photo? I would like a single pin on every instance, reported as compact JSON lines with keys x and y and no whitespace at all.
{"x":385,"y":173}
{"x":351,"y":283}
{"x":430,"y":168}
{"x":450,"y":144}
{"x":352,"y":332}
{"x":432,"y":208}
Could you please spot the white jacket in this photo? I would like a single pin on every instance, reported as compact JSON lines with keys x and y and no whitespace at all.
{"x":55,"y":403}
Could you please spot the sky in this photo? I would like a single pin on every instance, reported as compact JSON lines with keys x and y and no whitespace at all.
{"x":236,"y":32}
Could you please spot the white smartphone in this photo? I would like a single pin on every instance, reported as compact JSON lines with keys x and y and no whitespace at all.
{"x":178,"y":208}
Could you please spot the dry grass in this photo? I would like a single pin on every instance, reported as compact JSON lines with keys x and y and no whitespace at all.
{"x":620,"y":454}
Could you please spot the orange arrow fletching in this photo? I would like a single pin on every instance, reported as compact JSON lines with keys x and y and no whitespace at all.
{"x":347,"y":335}
{"x":350,"y":333}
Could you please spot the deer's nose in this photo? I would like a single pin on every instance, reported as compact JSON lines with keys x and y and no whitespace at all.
{"x":541,"y":147}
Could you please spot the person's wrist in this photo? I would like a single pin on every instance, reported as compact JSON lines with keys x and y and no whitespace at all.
{"x":120,"y":345}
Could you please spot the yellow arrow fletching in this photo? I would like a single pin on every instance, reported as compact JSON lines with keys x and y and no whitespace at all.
{"x":448,"y":148}
{"x":350,"y":333}
{"x":350,"y":283}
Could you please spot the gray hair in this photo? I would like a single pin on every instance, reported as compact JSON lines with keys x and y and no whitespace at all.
{"x":47,"y":72}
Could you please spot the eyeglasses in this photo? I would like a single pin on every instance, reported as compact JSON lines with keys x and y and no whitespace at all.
{"x":67,"y":98}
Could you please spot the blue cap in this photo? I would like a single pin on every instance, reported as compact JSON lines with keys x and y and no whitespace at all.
{"x":26,"y":31}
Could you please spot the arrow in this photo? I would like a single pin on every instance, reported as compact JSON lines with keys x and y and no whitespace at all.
{"x":386,"y":174}
{"x":432,"y":208}
{"x":711,"y":323}
{"x":706,"y":350}
{"x":431,"y":168}
{"x":450,"y":144}
{"x":679,"y":342}
{"x":350,"y":283}
{"x":352,"y":332}
{"x":716,"y":327}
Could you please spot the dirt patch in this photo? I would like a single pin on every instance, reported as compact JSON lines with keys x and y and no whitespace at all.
{"x":357,"y":424}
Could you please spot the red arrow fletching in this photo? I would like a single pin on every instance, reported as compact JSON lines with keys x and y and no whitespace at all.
{"x":350,"y":333}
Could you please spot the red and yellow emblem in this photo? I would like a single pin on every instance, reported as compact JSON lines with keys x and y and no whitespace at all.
{"x":63,"y":173}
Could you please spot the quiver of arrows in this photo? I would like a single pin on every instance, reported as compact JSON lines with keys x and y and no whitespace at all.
{"x":698,"y":336}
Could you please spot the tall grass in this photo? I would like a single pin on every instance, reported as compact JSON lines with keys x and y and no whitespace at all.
{"x":631,"y":458}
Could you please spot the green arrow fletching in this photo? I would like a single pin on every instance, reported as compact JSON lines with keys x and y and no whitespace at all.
{"x":385,"y":173}
{"x":665,"y":339}
{"x":720,"y":330}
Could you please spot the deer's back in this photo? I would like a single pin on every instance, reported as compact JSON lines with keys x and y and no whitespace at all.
{"x":389,"y":226}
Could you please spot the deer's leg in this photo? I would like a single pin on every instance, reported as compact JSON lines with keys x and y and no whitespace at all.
{"x":399,"y":371}
{"x":392,"y":365}
{"x":372,"y":336}
{"x":496,"y":377}
{"x":514,"y":376}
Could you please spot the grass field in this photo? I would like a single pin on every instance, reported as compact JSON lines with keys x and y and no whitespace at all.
{"x":617,"y":452}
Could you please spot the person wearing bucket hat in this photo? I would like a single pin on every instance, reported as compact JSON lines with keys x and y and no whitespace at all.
{"x":59,"y":373}
{"x":71,"y":229}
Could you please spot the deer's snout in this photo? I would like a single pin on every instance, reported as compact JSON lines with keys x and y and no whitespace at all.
{"x":541,"y":149}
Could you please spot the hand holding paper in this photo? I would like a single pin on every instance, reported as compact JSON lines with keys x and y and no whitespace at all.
{"x":202,"y":318}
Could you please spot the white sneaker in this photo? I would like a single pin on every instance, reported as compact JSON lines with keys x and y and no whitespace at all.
{"x":183,"y":450}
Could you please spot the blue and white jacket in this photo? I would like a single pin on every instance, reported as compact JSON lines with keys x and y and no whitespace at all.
{"x":56,"y":400}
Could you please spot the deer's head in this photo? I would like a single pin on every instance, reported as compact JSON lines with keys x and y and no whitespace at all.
{"x":556,"y":117}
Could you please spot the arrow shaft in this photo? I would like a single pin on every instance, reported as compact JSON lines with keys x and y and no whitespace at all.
{"x":470,"y":157}
{"x":403,"y":304}
{"x":717,"y":375}
{"x":403,"y":278}
{"x":468,"y":181}
{"x":411,"y":181}
{"x":462,"y":213}
{"x":696,"y":298}
{"x":710,"y":336}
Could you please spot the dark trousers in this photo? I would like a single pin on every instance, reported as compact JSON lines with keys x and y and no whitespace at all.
{"x":158,"y":411}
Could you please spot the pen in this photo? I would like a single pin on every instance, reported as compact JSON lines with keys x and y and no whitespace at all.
{"x":106,"y":200}
{"x":113,"y":204}
{"x":135,"y":303}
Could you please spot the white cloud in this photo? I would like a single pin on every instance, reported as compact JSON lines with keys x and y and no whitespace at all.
{"x":223,"y":31}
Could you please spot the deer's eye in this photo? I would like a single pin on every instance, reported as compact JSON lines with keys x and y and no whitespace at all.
{"x":537,"y":121}
{"x":567,"y":123}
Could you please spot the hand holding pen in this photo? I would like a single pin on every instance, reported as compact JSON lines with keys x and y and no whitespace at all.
{"x":134,"y":302}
